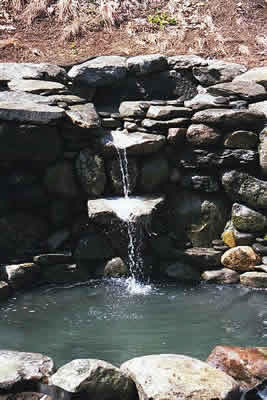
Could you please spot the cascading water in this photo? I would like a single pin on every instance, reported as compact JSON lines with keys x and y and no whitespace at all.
{"x":134,"y":229}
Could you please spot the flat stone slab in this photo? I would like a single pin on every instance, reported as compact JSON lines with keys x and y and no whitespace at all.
{"x":168,"y":112}
{"x":99,"y":379}
{"x":217,"y":71}
{"x":133,"y":143}
{"x":106,"y":210}
{"x":101,"y":71}
{"x":10,"y":71}
{"x":31,"y":113}
{"x":22,"y":98}
{"x":36,"y":86}
{"x":245,"y":90}
{"x":254,"y":279}
{"x":19,"y":367}
{"x":174,"y":376}
{"x":229,"y":118}
{"x":204,"y":101}
{"x":84,"y":116}
{"x":258,"y":75}
{"x":164,"y":124}
{"x":260,"y":106}
{"x":146,"y":64}
{"x":224,"y":275}
{"x":133,"y":109}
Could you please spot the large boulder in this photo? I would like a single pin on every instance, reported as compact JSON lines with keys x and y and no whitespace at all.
{"x":247,"y":365}
{"x":91,"y":172}
{"x":246,"y":219}
{"x":36,"y":86}
{"x":133,"y":109}
{"x":173,"y":376}
{"x":100,"y":71}
{"x":23,"y":369}
{"x":240,"y":258}
{"x":97,"y":379}
{"x":258,"y":75}
{"x":261,"y":106}
{"x":84,"y":116}
{"x":245,"y":90}
{"x":117,"y":178}
{"x":254,"y":279}
{"x":243,"y":187}
{"x":29,"y":142}
{"x":224,"y":275}
{"x":198,"y":217}
{"x":146,"y":64}
{"x":241,"y":139}
{"x":202,"y":135}
{"x":228,"y":118}
{"x":9,"y":71}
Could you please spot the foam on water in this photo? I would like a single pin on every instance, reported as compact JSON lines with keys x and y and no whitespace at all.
{"x":126,"y":208}
{"x":121,"y":140}
{"x":137,"y":288}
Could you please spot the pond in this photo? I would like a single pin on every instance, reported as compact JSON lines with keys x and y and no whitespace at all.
{"x":104,"y":320}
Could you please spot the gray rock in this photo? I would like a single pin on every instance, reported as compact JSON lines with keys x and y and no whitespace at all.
{"x":9,"y":71}
{"x":23,"y":368}
{"x":263,"y":152}
{"x":116,"y":268}
{"x":230,"y":118}
{"x":168,"y":112}
{"x":21,"y":231}
{"x":258,"y":75}
{"x":22,"y":98}
{"x":197,"y":217}
{"x":202,"y":257}
{"x":181,"y":271}
{"x":101,"y":71}
{"x":254,"y":279}
{"x":98,"y":379}
{"x":116,"y":178}
{"x":60,"y":180}
{"x":247,"y":220}
{"x":264,"y":260}
{"x":108,"y":211}
{"x":245,"y":90}
{"x":36,"y":86}
{"x":21,"y":276}
{"x":261,"y":107}
{"x":261,"y":268}
{"x":241,"y":259}
{"x":91,"y":172}
{"x":224,"y":275}
{"x":154,"y":173}
{"x":133,"y":109}
{"x":29,"y":142}
{"x":260,"y":249}
{"x":221,"y":159}
{"x":173,"y":376}
{"x":69,"y":99}
{"x":84,"y":116}
{"x":186,"y":62}
{"x":134,"y":143}
{"x":243,"y":187}
{"x":217,"y":72}
{"x":4,"y":290}
{"x":176,"y":136}
{"x":241,"y":140}
{"x":40,"y":114}
{"x":149,"y":63}
{"x":204,"y":101}
{"x":52,"y":258}
{"x":93,"y":246}
{"x":57,"y":239}
{"x":202,"y":135}
{"x":63,"y":273}
{"x":204,"y":183}
{"x":110,"y":123}
{"x":243,"y":238}
{"x":164,"y":125}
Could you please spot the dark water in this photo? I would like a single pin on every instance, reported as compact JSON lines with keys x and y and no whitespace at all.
{"x":102,"y":320}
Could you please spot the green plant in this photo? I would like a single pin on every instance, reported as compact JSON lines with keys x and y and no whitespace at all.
{"x":161,"y":19}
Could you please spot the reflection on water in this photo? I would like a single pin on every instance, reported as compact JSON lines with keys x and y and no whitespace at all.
{"x":119,"y":319}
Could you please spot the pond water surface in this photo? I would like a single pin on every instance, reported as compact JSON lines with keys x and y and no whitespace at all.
{"x":101,"y":319}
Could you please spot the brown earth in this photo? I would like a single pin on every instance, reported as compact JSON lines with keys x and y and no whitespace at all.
{"x":234,"y":31}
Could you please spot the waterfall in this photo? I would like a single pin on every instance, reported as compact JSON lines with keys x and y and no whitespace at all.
{"x":134,"y":229}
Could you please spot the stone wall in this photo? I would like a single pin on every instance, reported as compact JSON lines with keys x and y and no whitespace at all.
{"x":195,"y":138}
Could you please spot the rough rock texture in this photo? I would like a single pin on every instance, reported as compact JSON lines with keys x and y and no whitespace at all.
{"x":142,"y":65}
{"x":241,"y":140}
{"x":229,"y":118}
{"x":263,"y":152}
{"x":259,"y":107}
{"x":116,"y":268}
{"x":204,"y":100}
{"x":217,"y":72}
{"x":36,"y":86}
{"x":171,"y":376}
{"x":247,"y":365}
{"x":23,"y":368}
{"x":91,"y":172}
{"x":9,"y":71}
{"x":240,"y":258}
{"x":205,"y":183}
{"x":247,"y":220}
{"x":98,"y":379}
{"x":202,"y":135}
{"x":101,"y":71}
{"x":246,"y":188}
{"x":84,"y":116}
{"x":133,"y":109}
{"x":254,"y":279}
{"x":93,"y":246}
{"x":224,"y":275}
{"x":258,"y":75}
{"x":60,"y":180}
{"x":245,"y":90}
{"x":168,"y":112}
{"x":116,"y":178}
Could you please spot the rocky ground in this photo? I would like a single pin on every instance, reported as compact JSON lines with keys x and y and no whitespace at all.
{"x":232,"y":30}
